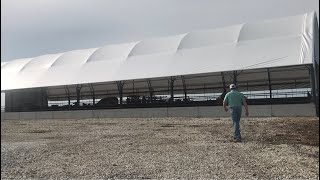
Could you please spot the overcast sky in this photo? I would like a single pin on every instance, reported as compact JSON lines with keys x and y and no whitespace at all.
{"x":31,"y":28}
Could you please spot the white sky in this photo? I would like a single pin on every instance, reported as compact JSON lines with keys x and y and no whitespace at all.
{"x":31,"y":28}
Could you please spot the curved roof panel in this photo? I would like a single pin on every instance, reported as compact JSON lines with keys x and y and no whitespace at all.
{"x":157,"y":45}
{"x":112,"y":52}
{"x":271,"y":43}
{"x":292,"y":26}
{"x":73,"y":58}
{"x":41,"y":62}
{"x":213,"y":37}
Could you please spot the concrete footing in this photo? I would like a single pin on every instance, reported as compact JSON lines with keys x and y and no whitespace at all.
{"x":198,"y":111}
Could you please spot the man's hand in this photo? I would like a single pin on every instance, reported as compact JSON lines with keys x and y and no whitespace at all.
{"x":247,"y":113}
{"x":225,"y":106}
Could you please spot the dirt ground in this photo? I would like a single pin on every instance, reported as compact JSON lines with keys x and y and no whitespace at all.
{"x":160,"y":148}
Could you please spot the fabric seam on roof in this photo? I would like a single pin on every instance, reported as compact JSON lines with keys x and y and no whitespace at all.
{"x":238,"y":38}
{"x":91,"y":55}
{"x":32,"y":61}
{"x":303,"y":42}
{"x":315,"y":32}
{"x":129,"y":54}
{"x":182,"y":38}
{"x":26,"y":64}
{"x":136,"y":43}
{"x":55,"y":60}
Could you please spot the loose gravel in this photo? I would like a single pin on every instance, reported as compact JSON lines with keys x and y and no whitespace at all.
{"x":160,"y":148}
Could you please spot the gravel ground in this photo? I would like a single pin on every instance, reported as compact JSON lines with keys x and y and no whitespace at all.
{"x":160,"y":148}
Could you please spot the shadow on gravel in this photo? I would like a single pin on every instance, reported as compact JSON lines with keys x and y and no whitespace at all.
{"x":293,"y":132}
{"x":171,"y":125}
{"x":39,"y":131}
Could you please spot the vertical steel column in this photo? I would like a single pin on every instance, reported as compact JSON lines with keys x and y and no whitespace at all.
{"x":44,"y":99}
{"x":48,"y":94}
{"x":8,"y":101}
{"x":171,"y":89}
{"x":223,"y":83}
{"x":150,"y":90}
{"x":47,"y":90}
{"x":92,"y":94}
{"x":78,"y":89}
{"x":204,"y":90}
{"x":132,"y":87}
{"x":313,"y":88}
{"x":235,"y":74}
{"x":120,"y":89}
{"x":68,"y":94}
{"x":184,"y":87}
{"x":316,"y":79}
{"x":269,"y":80}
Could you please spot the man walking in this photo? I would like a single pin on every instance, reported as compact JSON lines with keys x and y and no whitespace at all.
{"x":235,"y":100}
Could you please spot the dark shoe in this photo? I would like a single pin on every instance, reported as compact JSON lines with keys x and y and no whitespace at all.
{"x":237,"y":140}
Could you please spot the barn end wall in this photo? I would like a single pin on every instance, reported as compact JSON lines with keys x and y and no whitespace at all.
{"x":198,"y":112}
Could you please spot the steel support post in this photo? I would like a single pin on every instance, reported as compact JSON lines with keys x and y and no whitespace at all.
{"x":92,"y":94}
{"x":313,"y":89}
{"x":223,"y":83}
{"x":150,"y":90}
{"x":171,"y":89}
{"x":47,"y":90}
{"x":316,"y":78}
{"x":48,"y":94}
{"x":269,"y":83}
{"x":44,"y":99}
{"x":78,"y":89}
{"x":120,"y":89}
{"x":132,"y":87}
{"x":68,"y":95}
{"x":235,"y":74}
{"x":184,"y":87}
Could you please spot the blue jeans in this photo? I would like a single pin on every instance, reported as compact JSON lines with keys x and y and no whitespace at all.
{"x":235,"y":116}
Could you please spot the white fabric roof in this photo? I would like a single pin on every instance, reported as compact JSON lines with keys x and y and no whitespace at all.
{"x":278,"y":42}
